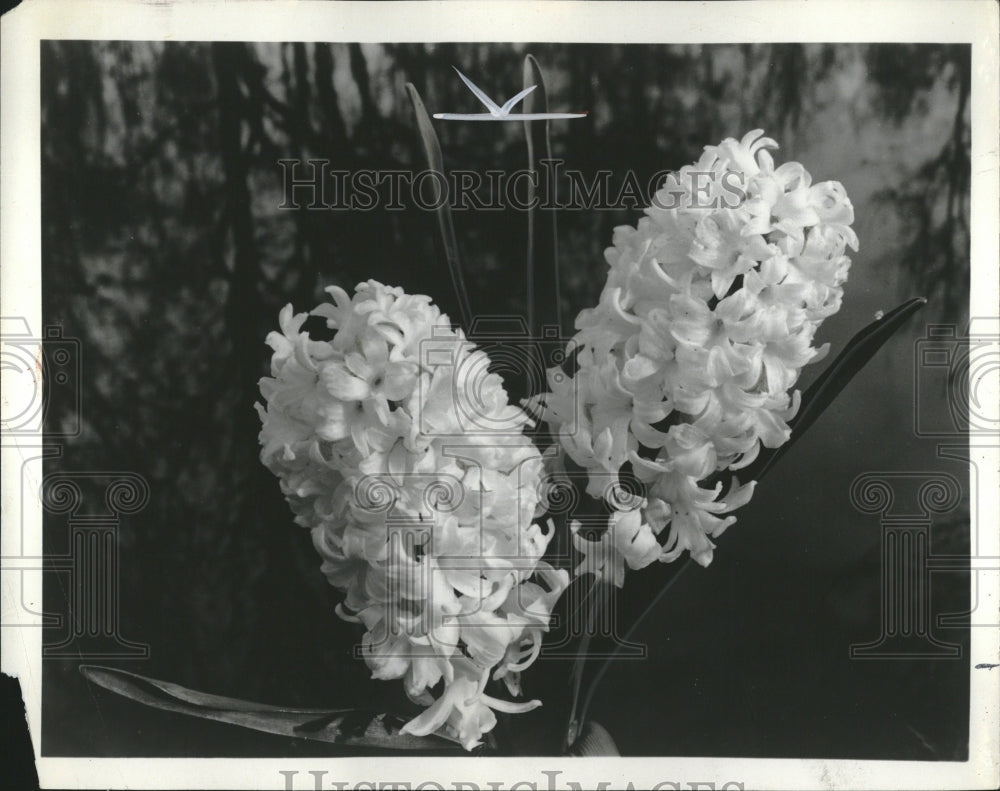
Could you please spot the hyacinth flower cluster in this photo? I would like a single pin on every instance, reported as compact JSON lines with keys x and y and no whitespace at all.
{"x":687,"y":366}
{"x":399,"y":451}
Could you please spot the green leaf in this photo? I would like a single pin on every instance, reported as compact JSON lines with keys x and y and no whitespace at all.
{"x":855,"y":356}
{"x":596,"y":599}
{"x":578,"y":721}
{"x":435,"y":163}
{"x":348,"y":727}
{"x":543,"y":252}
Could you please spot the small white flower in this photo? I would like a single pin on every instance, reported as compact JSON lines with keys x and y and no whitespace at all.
{"x":463,"y":710}
{"x":626,"y":540}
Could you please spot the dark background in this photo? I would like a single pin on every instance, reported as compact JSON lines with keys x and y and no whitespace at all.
{"x":165,"y":254}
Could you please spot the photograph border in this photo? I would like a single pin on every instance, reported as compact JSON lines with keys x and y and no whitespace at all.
{"x":912,"y":21}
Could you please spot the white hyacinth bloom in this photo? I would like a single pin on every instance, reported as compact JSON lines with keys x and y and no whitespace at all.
{"x":687,"y":366}
{"x":398,"y":449}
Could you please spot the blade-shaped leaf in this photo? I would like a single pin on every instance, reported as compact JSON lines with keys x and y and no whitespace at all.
{"x":579,"y":721}
{"x":490,"y":105}
{"x":596,"y":598}
{"x":513,"y":100}
{"x":349,"y":727}
{"x":435,"y":162}
{"x":543,"y":254}
{"x":856,"y":354}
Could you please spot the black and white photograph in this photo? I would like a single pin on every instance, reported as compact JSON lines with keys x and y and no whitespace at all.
{"x":501,"y":395}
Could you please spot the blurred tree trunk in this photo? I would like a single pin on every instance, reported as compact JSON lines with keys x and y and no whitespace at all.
{"x":309,"y":236}
{"x":334,"y":127}
{"x":369,"y":114}
{"x":243,"y":305}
